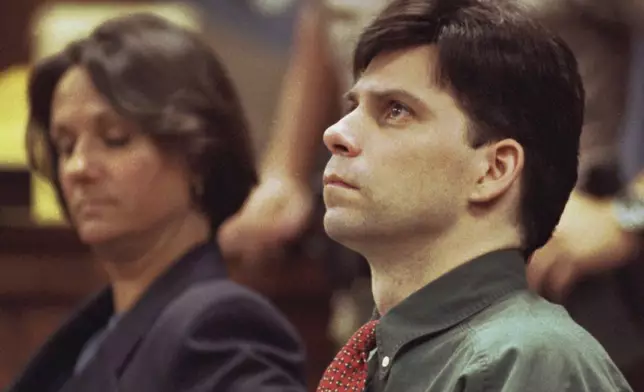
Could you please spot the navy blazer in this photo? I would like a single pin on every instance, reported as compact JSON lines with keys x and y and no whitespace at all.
{"x":193,"y":330}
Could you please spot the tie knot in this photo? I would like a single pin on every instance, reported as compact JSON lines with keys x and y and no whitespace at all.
{"x":348,"y":371}
{"x":364,"y":340}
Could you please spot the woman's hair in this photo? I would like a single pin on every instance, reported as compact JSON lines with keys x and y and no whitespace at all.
{"x":173,"y":85}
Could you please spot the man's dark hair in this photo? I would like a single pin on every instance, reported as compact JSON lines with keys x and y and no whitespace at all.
{"x":512,"y":77}
{"x":169,"y":81}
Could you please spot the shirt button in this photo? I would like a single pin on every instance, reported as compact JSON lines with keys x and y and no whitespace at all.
{"x":385,"y":362}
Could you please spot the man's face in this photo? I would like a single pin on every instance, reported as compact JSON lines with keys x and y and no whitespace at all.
{"x":401,"y":166}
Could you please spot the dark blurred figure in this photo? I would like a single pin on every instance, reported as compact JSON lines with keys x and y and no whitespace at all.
{"x":592,"y":238}
{"x":594,"y":262}
{"x":141,"y":132}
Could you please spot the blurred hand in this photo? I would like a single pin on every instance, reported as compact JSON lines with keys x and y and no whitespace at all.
{"x":587,"y":241}
{"x":276,"y":212}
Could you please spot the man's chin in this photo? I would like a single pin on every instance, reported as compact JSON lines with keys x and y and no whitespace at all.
{"x":344,"y":231}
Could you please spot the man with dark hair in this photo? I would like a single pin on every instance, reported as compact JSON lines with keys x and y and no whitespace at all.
{"x":452,"y":165}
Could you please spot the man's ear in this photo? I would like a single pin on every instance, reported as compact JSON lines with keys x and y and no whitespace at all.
{"x":501,"y":163}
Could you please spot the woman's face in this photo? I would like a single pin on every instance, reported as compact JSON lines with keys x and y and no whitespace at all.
{"x":115,"y":181}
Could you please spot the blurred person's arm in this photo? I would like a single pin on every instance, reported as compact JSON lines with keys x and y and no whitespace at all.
{"x":594,"y":236}
{"x":278,"y":209}
{"x":589,"y":239}
{"x":307,"y":101}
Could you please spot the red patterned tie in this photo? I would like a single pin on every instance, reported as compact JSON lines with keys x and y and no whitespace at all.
{"x":348,"y":371}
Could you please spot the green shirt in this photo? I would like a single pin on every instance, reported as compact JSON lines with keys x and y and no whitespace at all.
{"x":478,"y":328}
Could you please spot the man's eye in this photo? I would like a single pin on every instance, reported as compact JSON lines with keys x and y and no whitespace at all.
{"x":396,"y":111}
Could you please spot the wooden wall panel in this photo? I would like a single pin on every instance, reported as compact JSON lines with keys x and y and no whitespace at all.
{"x":15,"y":27}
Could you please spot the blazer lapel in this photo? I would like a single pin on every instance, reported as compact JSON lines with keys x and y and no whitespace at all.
{"x":118,"y":347}
{"x":54,"y":363}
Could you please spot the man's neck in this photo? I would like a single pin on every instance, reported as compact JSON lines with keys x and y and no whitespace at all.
{"x":134,"y":263}
{"x":403,"y":268}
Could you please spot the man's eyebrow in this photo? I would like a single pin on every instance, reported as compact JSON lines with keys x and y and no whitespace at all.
{"x":389,"y":93}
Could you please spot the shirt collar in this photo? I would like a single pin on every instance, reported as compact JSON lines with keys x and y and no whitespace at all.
{"x":451,"y":299}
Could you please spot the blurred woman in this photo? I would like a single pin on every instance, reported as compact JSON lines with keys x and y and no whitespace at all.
{"x":143,"y":136}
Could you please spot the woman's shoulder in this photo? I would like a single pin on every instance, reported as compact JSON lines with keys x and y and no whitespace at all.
{"x":223,"y":304}
{"x":212,"y":331}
